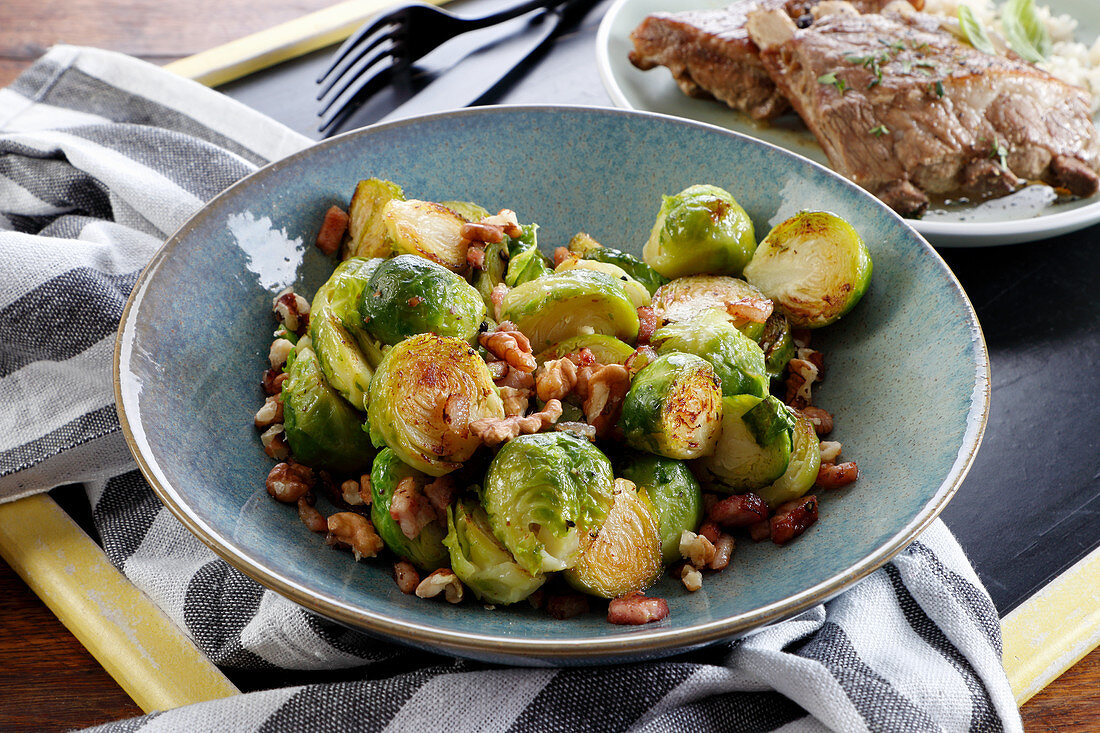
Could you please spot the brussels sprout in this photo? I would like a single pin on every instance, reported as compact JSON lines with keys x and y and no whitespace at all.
{"x":637,"y":292}
{"x":740,"y":463}
{"x":426,"y":550}
{"x":321,"y":428}
{"x":409,"y":295}
{"x":367,"y":233}
{"x":543,"y":493}
{"x":346,"y":352}
{"x":815,"y":267}
{"x":688,"y":298}
{"x":777,"y":344}
{"x":674,"y":492}
{"x":525,"y":262}
{"x":606,"y":349}
{"x":624,"y":554}
{"x":567,"y":304}
{"x":480,"y":560}
{"x":673,"y":408}
{"x":587,"y":248}
{"x":423,"y":397}
{"x":702,"y":229}
{"x":468,"y":210}
{"x":427,"y":229}
{"x":492,"y":273}
{"x":738,"y":362}
{"x":801,"y":473}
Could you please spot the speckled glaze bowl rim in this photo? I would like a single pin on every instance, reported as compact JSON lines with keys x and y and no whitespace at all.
{"x":648,"y":642}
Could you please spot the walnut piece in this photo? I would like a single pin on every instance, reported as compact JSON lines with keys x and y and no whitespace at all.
{"x":270,"y":413}
{"x":509,"y":344}
{"x":410,"y":508}
{"x":515,"y":401}
{"x":696,"y":549}
{"x":289,"y":482}
{"x":278,"y":353}
{"x":354,"y":531}
{"x":494,"y":431}
{"x":274,"y":442}
{"x":555,"y":379}
{"x":313,"y":519}
{"x":607,"y":388}
{"x":291,"y":310}
{"x":691,"y":577}
{"x":350,"y":493}
{"x":406,"y":576}
{"x":442,"y":581}
{"x":830,"y":451}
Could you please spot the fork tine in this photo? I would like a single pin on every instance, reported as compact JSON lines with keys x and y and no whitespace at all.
{"x":359,"y":70}
{"x":353,"y":96}
{"x":350,"y":61}
{"x":359,"y":35}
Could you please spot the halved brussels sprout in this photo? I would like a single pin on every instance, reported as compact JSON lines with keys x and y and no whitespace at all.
{"x":321,"y":428}
{"x":567,"y":304}
{"x":606,"y":349}
{"x":525,"y":261}
{"x":815,"y":267}
{"x":740,"y":463}
{"x":492,"y":273}
{"x":544,"y":493}
{"x":801,"y":473}
{"x":426,"y":550}
{"x":673,"y":408}
{"x":689,"y":298}
{"x":346,"y":352}
{"x":468,"y":210}
{"x":674,"y":493}
{"x":702,"y":229}
{"x":738,"y":362}
{"x":624,"y":554}
{"x":481,"y":561}
{"x":367,"y":234}
{"x":423,"y":397}
{"x":408,"y":295}
{"x":427,"y":229}
{"x":637,"y":292}
{"x":777,"y":344}
{"x":588,"y":248}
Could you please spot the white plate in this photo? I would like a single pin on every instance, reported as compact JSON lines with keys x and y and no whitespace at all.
{"x":1024,"y":217}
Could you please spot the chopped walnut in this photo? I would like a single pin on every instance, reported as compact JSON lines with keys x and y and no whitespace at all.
{"x":516,"y":379}
{"x":273,"y":381}
{"x":410,"y":508}
{"x":515,"y":401}
{"x":507,"y":220}
{"x":555,"y":379}
{"x":695,"y":548}
{"x":801,"y":377}
{"x":635,"y":609}
{"x":406,"y":576}
{"x":274,"y":442}
{"x":313,"y":519}
{"x":354,"y":531}
{"x":821,"y":420}
{"x":607,"y":389}
{"x":496,"y":297}
{"x":494,"y":431}
{"x":691,"y":577}
{"x":441,"y":581}
{"x":289,"y":482}
{"x":278,"y":353}
{"x":349,"y":491}
{"x":270,"y":413}
{"x":511,"y":346}
{"x":723,"y":549}
{"x":709,"y":529}
{"x":291,"y":310}
{"x":364,"y":489}
{"x":814,"y":357}
{"x":440,"y":493}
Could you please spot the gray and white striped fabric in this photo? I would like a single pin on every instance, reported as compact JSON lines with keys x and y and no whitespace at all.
{"x":101,"y":157}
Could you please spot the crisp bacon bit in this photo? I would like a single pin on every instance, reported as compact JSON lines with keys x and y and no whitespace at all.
{"x":793,"y":518}
{"x":723,"y":549}
{"x":511,"y":346}
{"x":482,"y":232}
{"x":566,"y":605}
{"x":475,"y":257}
{"x":494,"y":431}
{"x":332,"y":230}
{"x":739,"y":510}
{"x":582,"y":358}
{"x":835,"y":475}
{"x":607,"y":388}
{"x":406,"y":576}
{"x":515,"y":401}
{"x":496,"y":297}
{"x":555,"y":379}
{"x":562,"y":254}
{"x":822,"y":420}
{"x":440,"y":493}
{"x":410,"y":509}
{"x":710,"y":531}
{"x":641,"y":358}
{"x":760,"y":531}
{"x":647,"y":324}
{"x":635,"y":609}
{"x":754,"y":310}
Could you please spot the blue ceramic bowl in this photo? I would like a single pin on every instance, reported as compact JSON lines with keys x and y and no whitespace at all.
{"x":908,"y":374}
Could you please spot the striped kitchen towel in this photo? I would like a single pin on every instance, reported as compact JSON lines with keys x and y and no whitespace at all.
{"x":103,"y":156}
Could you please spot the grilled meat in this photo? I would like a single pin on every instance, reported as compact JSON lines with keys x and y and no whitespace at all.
{"x":905,"y":109}
{"x":710,"y":54}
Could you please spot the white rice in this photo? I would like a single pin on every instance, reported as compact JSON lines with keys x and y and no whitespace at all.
{"x":1073,"y":62}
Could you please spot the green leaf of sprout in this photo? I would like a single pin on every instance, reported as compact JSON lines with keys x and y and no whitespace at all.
{"x":974,"y":31}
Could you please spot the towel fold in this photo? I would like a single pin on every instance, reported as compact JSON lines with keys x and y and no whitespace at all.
{"x":101,"y":158}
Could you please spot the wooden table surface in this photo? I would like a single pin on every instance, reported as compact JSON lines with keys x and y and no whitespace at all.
{"x":49,"y":680}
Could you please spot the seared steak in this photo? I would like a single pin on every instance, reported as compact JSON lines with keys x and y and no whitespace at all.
{"x":710,"y":54}
{"x":905,"y":109}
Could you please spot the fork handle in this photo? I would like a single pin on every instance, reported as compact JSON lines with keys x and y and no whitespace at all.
{"x":509,"y":13}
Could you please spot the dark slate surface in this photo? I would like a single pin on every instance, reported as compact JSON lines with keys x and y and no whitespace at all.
{"x":1030,"y":505}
